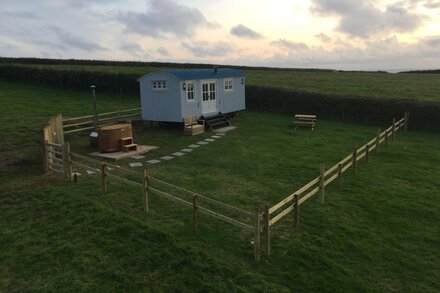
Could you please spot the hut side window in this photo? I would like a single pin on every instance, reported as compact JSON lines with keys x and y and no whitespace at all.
{"x":159,"y":84}
{"x":190,"y":91}
{"x":228,"y":85}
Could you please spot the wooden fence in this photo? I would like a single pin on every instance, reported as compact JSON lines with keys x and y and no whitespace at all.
{"x":76,"y":124}
{"x":317,"y":186}
{"x":196,"y":202}
{"x":59,"y":158}
{"x":55,"y":151}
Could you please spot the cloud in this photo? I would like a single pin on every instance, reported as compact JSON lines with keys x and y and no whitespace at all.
{"x":204,"y":49}
{"x":162,"y":51}
{"x":363,"y":19}
{"x":245,"y":32}
{"x":131,"y":47}
{"x":19,"y":14}
{"x":283,"y":43}
{"x":74,"y":41}
{"x":164,"y":17}
{"x":323,"y":38}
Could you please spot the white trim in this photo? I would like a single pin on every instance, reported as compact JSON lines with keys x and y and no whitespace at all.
{"x":230,"y":87}
{"x":193,"y":83}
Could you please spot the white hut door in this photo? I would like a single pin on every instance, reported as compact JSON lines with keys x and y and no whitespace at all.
{"x":209,"y":97}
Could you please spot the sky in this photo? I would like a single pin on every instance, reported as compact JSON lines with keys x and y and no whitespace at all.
{"x":387,"y":35}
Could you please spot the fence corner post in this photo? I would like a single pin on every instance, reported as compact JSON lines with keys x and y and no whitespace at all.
{"x":69,"y":161}
{"x":194,"y":212}
{"x":321,"y":184}
{"x":267,"y":229}
{"x":45,"y":156}
{"x":145,"y":190}
{"x":296,"y":210}
{"x":406,"y":125}
{"x":104,"y":175}
{"x":257,"y":235}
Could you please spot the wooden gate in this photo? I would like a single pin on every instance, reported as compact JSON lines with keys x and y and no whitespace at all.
{"x":56,"y":153}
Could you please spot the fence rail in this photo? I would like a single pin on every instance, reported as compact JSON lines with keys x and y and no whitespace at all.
{"x":279,"y":211}
{"x":77,"y":124}
{"x":59,"y":158}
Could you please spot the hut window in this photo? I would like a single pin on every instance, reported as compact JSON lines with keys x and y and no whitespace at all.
{"x":228,"y":85}
{"x":159,"y":84}
{"x":190,"y":91}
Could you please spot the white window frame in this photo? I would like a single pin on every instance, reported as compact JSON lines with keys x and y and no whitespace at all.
{"x":228,"y":84}
{"x":187,"y":91}
{"x":159,"y":85}
{"x":211,"y":94}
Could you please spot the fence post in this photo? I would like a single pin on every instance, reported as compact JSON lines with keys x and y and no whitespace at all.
{"x":104,"y":179}
{"x":69,"y":161}
{"x":65,"y":161}
{"x":145,"y":189}
{"x":321,"y":184}
{"x":257,"y":235}
{"x":378,"y":140}
{"x":296,"y":210}
{"x":406,"y":125}
{"x":194,"y":212}
{"x":367,"y":152}
{"x":393,"y":130}
{"x":339,"y":174}
{"x":386,"y":137}
{"x":45,"y":157}
{"x":355,"y":159}
{"x":267,"y":229}
{"x":75,"y":176}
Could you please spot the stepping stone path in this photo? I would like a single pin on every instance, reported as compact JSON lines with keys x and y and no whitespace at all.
{"x":167,"y":158}
{"x":182,"y":152}
{"x":137,"y":157}
{"x":137,"y":164}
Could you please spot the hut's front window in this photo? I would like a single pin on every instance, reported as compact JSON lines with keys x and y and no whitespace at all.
{"x":159,"y":84}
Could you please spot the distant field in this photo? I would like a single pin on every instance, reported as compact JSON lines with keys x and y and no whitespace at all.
{"x":417,"y":86}
{"x":377,"y":232}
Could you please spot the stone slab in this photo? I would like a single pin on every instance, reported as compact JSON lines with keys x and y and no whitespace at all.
{"x":167,"y":158}
{"x":225,"y":129}
{"x":194,"y":146}
{"x":186,"y":150}
{"x":178,"y":154}
{"x":203,"y":142}
{"x":137,"y":157}
{"x":153,"y":161}
{"x":137,"y":164}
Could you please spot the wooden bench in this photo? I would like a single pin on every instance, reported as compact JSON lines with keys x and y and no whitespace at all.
{"x":192,"y":125}
{"x":301,"y":120}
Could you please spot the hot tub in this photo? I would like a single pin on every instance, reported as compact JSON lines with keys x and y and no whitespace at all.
{"x":109,"y":137}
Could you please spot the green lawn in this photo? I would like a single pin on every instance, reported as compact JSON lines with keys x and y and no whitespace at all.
{"x":412,"y":85}
{"x":378,"y":232}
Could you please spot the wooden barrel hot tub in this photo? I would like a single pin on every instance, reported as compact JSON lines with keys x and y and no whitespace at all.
{"x":109,"y":137}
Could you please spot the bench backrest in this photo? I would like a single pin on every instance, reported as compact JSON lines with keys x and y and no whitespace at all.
{"x":301,"y":116}
{"x":189,"y":120}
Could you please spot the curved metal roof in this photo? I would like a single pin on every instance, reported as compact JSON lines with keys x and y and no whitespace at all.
{"x":185,"y":74}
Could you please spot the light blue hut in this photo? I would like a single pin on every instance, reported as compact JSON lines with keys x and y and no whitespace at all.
{"x":171,"y":95}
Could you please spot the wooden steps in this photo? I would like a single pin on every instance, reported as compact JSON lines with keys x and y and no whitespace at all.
{"x":127,"y":145}
{"x":216,"y":121}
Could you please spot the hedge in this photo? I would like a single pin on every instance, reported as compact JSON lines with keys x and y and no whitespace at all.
{"x":423,"y":115}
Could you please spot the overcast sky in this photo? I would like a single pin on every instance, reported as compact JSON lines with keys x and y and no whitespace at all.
{"x":339,"y":34}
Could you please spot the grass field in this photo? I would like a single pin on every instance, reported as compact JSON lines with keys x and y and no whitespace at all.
{"x":412,"y":85}
{"x":378,"y":232}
